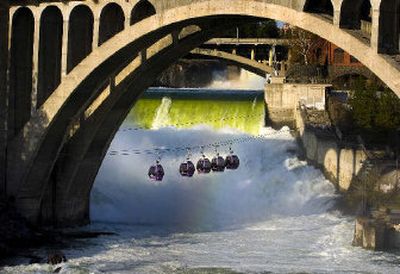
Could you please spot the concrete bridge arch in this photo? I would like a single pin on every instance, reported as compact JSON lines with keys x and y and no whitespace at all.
{"x":51,"y":124}
{"x":260,"y":69}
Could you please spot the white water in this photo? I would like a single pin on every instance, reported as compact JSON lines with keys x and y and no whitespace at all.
{"x":162,"y":113}
{"x":246,"y":80}
{"x":268,"y":183}
{"x":273,"y":214}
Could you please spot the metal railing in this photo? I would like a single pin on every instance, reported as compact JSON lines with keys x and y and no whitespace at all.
{"x":248,"y":41}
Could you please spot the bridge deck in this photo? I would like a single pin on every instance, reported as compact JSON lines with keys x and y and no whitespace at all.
{"x":248,"y":41}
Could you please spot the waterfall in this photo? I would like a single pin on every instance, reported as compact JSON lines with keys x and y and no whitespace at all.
{"x":161,"y":117}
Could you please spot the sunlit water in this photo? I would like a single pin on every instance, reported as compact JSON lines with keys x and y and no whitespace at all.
{"x":274,"y":214}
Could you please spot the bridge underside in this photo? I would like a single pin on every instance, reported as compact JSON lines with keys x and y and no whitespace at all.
{"x":54,"y":156}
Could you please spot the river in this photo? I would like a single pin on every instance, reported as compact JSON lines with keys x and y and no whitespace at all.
{"x":274,"y":214}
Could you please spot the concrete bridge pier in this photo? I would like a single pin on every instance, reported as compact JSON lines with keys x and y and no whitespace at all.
{"x":375,"y":27}
{"x":270,"y":57}
{"x":4,"y":21}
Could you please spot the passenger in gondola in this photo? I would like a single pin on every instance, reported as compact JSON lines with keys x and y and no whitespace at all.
{"x":156,"y":172}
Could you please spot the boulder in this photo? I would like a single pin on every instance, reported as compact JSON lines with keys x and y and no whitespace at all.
{"x":56,"y":258}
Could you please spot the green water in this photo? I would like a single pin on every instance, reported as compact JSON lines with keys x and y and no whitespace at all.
{"x":242,"y":110}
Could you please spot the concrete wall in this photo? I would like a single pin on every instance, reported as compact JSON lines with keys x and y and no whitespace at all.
{"x":3,"y":92}
{"x":369,"y":234}
{"x":394,"y":236}
{"x":339,"y":162}
{"x":376,"y":234}
{"x":282,"y":99}
{"x":288,"y":96}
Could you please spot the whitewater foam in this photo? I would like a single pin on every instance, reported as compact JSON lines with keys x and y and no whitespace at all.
{"x":161,"y":116}
{"x":269,"y":182}
{"x":246,"y":80}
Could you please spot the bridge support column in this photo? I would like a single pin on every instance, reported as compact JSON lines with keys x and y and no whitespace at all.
{"x":35,"y":65}
{"x":4,"y":26}
{"x":127,"y":22}
{"x":283,"y":68}
{"x":271,"y":57}
{"x":336,"y":17}
{"x":64,"y":50}
{"x":253,"y":54}
{"x":337,"y":5}
{"x":375,"y":29}
{"x":96,"y":29}
{"x":234,"y":51}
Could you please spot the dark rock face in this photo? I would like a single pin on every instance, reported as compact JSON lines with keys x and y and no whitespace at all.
{"x":56,"y":258}
{"x":13,"y":230}
{"x":4,"y":25}
{"x":17,"y":236}
{"x":190,"y":74}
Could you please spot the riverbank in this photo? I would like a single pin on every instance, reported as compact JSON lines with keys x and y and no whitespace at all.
{"x":368,"y":185}
{"x":18,"y":239}
{"x":15,"y":233}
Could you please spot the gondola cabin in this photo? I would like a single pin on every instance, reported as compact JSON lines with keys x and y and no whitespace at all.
{"x":187,"y":169}
{"x":203,"y":165}
{"x":232,"y":162}
{"x":156,"y":172}
{"x":218,"y":164}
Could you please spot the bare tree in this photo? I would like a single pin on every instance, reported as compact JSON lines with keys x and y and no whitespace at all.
{"x":303,"y":45}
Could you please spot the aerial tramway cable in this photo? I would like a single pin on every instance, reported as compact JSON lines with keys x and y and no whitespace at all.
{"x":193,"y":122}
{"x":204,"y":165}
{"x":165,"y":150}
